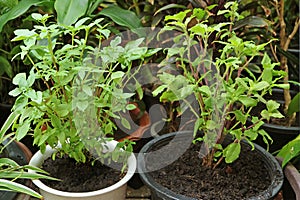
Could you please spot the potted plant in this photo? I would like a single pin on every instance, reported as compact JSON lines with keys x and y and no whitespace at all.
{"x":72,"y":100}
{"x":14,"y":158}
{"x":214,"y":85}
{"x":286,"y":26}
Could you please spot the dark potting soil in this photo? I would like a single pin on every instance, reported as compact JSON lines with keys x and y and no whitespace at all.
{"x":240,"y":180}
{"x":79,"y":177}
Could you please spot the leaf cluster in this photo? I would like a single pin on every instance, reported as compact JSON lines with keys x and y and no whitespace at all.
{"x":74,"y":92}
{"x":224,"y":88}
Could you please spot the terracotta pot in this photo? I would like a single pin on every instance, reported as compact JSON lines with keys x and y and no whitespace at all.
{"x":116,"y":191}
{"x":143,"y":123}
{"x":159,"y":192}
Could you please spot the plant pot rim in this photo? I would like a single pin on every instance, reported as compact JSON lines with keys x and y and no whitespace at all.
{"x":274,"y":187}
{"x":289,"y":130}
{"x":35,"y":161}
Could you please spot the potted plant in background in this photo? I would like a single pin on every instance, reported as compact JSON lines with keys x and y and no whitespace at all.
{"x":14,"y":158}
{"x":218,"y":89}
{"x":286,"y":26}
{"x":71,"y":99}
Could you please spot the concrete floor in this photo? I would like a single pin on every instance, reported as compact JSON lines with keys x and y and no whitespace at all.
{"x":142,"y":193}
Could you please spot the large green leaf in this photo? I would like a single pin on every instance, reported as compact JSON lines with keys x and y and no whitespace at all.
{"x":18,"y":10}
{"x":12,"y":186}
{"x":290,"y":150}
{"x":122,"y":17}
{"x":5,"y":67}
{"x":294,"y":105}
{"x":232,"y":152}
{"x":8,"y":3}
{"x":69,"y":11}
{"x":252,"y":21}
{"x":7,"y":124}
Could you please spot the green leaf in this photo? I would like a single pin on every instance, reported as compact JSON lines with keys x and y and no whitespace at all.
{"x":130,"y":106}
{"x":5,"y":67}
{"x":37,"y":16}
{"x":8,"y":122}
{"x":205,"y":90}
{"x":18,"y":10}
{"x":266,"y":137}
{"x":62,"y":110}
{"x":8,"y":3}
{"x":283,"y":86}
{"x":198,"y":123}
{"x":131,"y":45}
{"x":277,"y":114}
{"x":294,"y":105}
{"x":125,"y":123}
{"x":69,"y":11}
{"x":240,"y":116}
{"x":15,"y":92}
{"x":260,"y":85}
{"x":82,"y":105}
{"x":22,"y":130}
{"x":272,"y":105}
{"x":8,"y":161}
{"x":55,"y":121}
{"x":179,"y":17}
{"x":104,"y":32}
{"x":290,"y":151}
{"x":250,"y":22}
{"x":267,"y":75}
{"x":247,"y":101}
{"x":159,"y":90}
{"x":122,"y":17}
{"x":169,"y":6}
{"x":35,"y":96}
{"x":20,"y":80}
{"x":116,"y":75}
{"x":265,"y":114}
{"x":252,"y":135}
{"x":232,"y":152}
{"x":169,"y":96}
{"x":200,"y":14}
{"x":87,"y":90}
{"x":237,"y":133}
{"x":81,"y":22}
{"x":12,"y":186}
{"x":266,"y":61}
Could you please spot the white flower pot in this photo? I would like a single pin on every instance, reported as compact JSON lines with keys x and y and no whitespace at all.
{"x":113,"y":192}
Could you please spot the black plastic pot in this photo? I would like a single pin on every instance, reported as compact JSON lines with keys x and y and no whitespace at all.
{"x":20,"y":154}
{"x":158,"y":192}
{"x":281,"y":135}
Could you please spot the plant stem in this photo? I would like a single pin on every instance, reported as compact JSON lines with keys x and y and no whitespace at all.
{"x":136,"y":6}
{"x":284,"y":44}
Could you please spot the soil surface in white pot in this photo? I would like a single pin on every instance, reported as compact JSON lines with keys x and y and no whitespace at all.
{"x":79,"y":177}
{"x":240,"y":180}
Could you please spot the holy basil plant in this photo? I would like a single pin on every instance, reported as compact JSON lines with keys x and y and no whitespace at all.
{"x":212,"y":64}
{"x":75,"y":91}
